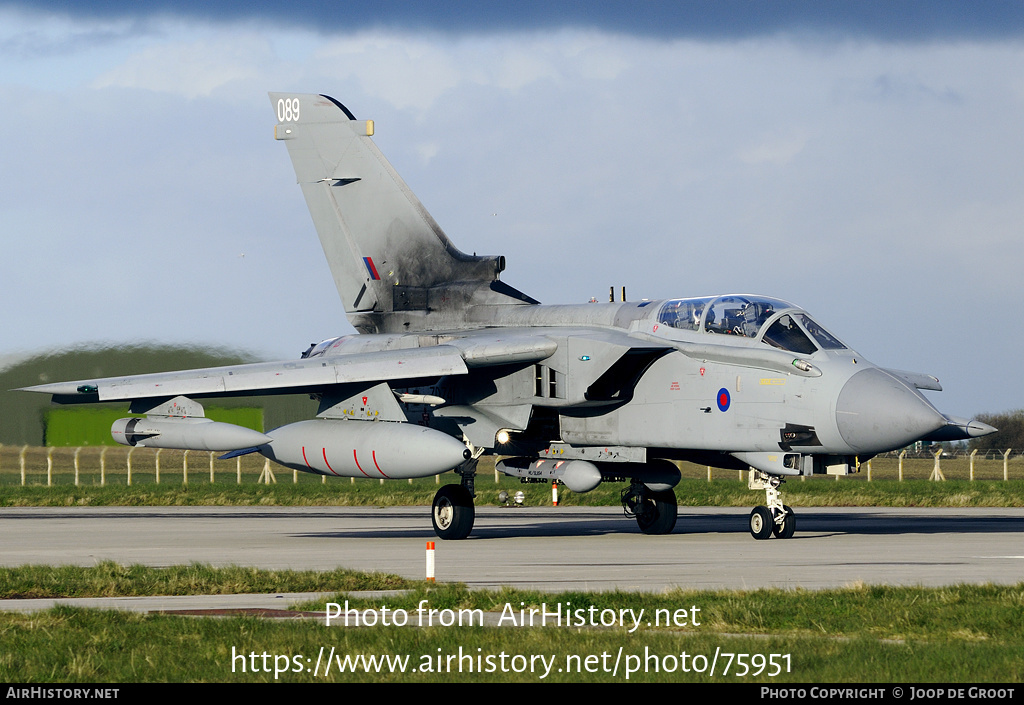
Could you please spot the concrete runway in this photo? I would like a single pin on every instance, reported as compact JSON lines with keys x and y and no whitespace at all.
{"x":551,"y":548}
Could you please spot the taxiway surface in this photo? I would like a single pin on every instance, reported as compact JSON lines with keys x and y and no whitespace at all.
{"x":550,"y":548}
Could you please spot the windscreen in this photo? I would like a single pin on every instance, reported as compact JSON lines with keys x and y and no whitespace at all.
{"x":785,"y":334}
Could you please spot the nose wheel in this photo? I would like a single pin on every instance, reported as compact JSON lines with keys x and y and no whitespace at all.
{"x":775,"y":519}
{"x":785,"y":528}
{"x":761,"y":523}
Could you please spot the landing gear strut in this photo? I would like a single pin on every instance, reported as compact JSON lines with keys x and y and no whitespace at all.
{"x":655,"y":512}
{"x":776,"y":518}
{"x":453,"y":512}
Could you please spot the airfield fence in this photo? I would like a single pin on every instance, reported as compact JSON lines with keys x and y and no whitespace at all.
{"x":119,"y":465}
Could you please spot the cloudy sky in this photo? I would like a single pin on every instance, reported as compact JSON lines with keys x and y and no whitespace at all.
{"x":865,"y":160}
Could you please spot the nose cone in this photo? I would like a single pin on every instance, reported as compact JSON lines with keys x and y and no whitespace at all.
{"x":877,"y":412}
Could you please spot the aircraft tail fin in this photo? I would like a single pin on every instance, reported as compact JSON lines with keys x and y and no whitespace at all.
{"x":386,"y":253}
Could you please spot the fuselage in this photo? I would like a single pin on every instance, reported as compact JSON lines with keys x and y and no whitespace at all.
{"x":720,"y":374}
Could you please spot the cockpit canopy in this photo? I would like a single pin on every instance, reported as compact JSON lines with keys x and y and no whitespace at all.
{"x":772,"y":321}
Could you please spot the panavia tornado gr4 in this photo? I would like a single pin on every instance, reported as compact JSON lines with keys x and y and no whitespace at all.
{"x":450,"y":363}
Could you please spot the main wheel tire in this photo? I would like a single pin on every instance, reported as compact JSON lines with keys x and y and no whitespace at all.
{"x":761,"y":523}
{"x":660,"y":513}
{"x":788,"y":527}
{"x":453,"y":512}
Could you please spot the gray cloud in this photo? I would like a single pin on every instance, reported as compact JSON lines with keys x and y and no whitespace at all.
{"x":875,"y":183}
{"x":884,"y":20}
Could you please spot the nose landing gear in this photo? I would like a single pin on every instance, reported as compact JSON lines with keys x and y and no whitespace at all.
{"x":776,"y":518}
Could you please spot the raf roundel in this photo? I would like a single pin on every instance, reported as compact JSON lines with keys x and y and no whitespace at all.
{"x":723,"y":399}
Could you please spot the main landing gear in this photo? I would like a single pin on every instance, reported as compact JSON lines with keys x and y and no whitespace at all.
{"x":776,"y":518}
{"x":655,"y":512}
{"x":453,"y":512}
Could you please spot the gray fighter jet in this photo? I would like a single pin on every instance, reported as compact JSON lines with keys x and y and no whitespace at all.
{"x":451,"y":363}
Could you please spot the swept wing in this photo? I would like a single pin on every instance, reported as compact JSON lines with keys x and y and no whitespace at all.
{"x":310,"y":374}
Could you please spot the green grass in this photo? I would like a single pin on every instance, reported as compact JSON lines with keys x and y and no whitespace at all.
{"x":962,"y":613}
{"x":958,"y":613}
{"x":109,"y":579}
{"x":816,"y":492}
{"x":69,"y":646}
{"x":861,"y":634}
